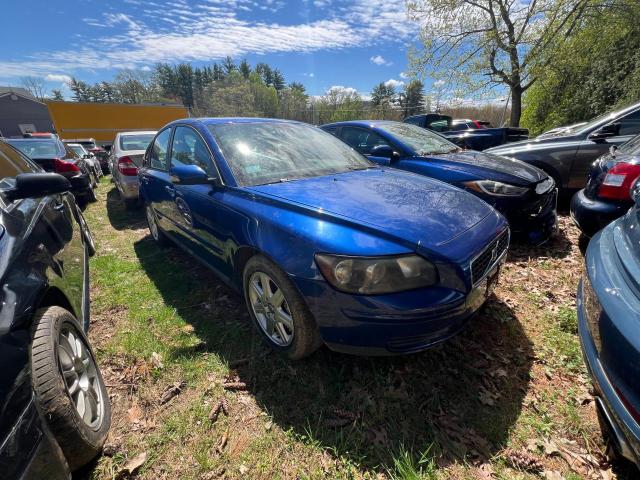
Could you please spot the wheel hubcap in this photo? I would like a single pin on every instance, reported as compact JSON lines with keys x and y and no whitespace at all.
{"x":151,"y":220}
{"x":271,"y":309}
{"x":81,"y":378}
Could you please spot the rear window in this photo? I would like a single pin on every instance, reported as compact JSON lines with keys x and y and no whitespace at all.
{"x":136,"y":142}
{"x":37,"y":148}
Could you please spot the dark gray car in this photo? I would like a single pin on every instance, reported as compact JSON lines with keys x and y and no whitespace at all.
{"x":566,"y":153}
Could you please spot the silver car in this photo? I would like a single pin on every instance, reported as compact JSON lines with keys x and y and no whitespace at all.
{"x":89,"y":157}
{"x":126,"y":155}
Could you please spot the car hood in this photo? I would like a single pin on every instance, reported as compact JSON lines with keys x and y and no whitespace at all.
{"x":410,"y":207}
{"x":522,"y":173}
{"x":538,"y":143}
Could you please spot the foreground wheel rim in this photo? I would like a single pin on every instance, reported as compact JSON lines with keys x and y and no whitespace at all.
{"x":271,"y":309}
{"x":153,"y":226}
{"x":81,"y":379}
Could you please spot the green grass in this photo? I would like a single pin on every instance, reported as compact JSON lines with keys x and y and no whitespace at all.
{"x":411,"y":413}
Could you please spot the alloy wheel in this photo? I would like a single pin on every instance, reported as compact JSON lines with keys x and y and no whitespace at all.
{"x":271,"y":309}
{"x":80,"y":376}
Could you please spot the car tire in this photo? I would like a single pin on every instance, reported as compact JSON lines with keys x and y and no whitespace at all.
{"x":62,"y":393}
{"x":156,"y":232}
{"x":131,"y":203}
{"x":91,"y":195}
{"x":296,"y":338}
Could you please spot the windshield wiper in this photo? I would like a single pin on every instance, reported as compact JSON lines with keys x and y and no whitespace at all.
{"x":281,"y":180}
{"x":361,"y":168}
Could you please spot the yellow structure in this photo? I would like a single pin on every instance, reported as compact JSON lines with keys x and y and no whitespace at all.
{"x":103,"y":120}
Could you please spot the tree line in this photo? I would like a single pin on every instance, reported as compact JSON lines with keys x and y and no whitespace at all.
{"x":240,"y":89}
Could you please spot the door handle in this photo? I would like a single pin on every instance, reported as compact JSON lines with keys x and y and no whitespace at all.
{"x":170,"y":190}
{"x":59,"y":207}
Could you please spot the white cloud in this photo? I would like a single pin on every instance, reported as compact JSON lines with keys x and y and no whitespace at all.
{"x":394,"y":83}
{"x":213,"y":29}
{"x":55,"y":77}
{"x":379,"y":60}
{"x":438,"y":83}
{"x":146,"y":68}
{"x":404,"y":75}
{"x":310,"y":75}
{"x":341,"y":89}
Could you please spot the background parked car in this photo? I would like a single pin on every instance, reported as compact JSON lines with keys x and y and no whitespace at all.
{"x":607,"y":195}
{"x":55,"y":408}
{"x":566,"y":153}
{"x":326,"y":246}
{"x":459,"y":124}
{"x":54,"y":156}
{"x":125,"y":158}
{"x":90,"y":144}
{"x":89,"y":157}
{"x":476,"y":139}
{"x":609,"y":328}
{"x":522,"y":193}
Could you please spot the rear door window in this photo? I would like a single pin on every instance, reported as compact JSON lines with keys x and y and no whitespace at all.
{"x":630,"y":124}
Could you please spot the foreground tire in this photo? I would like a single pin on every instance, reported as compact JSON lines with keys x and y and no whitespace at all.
{"x":156,"y":233}
{"x":131,"y":204}
{"x":69,"y":388}
{"x":278,"y":309}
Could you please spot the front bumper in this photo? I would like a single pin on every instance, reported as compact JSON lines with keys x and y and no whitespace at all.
{"x":399,"y":323}
{"x":591,"y":216}
{"x":614,"y":417}
{"x":533,"y":220}
{"x":129,"y":187}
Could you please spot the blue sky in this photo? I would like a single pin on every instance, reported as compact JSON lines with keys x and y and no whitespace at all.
{"x":321,"y":43}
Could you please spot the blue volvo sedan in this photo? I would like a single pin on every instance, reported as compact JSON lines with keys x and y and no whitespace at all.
{"x":609,"y":328}
{"x":524,"y":194}
{"x":325,"y":246}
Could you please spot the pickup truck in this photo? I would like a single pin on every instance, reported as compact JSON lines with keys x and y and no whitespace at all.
{"x":566,"y":153}
{"x":479,"y":139}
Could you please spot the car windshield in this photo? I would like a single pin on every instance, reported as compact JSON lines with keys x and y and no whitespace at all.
{"x":37,"y":148}
{"x":261,"y":153}
{"x":136,"y":142}
{"x":422,"y":141}
{"x":632,"y":147}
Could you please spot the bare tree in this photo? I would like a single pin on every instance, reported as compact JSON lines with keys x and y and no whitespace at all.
{"x":485,"y":43}
{"x":35,"y":86}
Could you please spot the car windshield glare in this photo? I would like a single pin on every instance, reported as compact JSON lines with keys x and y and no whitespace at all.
{"x":420,"y":140}
{"x":136,"y":142}
{"x":268,"y":152}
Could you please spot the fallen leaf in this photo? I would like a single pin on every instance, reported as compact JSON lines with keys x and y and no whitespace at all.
{"x":485,"y":472}
{"x":133,"y":464}
{"x":552,"y":475}
{"x":187,"y":328}
{"x":243,"y":469}
{"x":550,"y":448}
{"x":156,"y":360}
{"x":134,"y":413}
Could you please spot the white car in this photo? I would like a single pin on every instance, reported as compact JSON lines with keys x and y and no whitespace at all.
{"x":89,"y":157}
{"x":125,"y":157}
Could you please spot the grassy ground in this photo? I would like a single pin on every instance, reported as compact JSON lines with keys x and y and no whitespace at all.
{"x":508,"y":398}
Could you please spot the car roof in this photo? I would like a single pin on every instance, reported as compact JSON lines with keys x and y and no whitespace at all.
{"x":362,"y":123}
{"x":31,"y":139}
{"x":227,"y":120}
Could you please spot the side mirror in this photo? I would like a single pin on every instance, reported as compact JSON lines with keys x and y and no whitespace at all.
{"x":191,"y":175}
{"x":609,"y":130}
{"x":36,"y":185}
{"x":385,"y":151}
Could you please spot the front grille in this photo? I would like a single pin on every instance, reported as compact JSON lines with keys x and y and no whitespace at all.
{"x":483,"y":263}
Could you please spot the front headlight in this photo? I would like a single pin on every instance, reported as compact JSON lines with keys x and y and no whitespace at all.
{"x":491,"y":187}
{"x":375,"y":275}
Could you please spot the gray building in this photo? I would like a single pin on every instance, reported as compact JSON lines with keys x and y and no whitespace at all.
{"x":21,"y":112}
